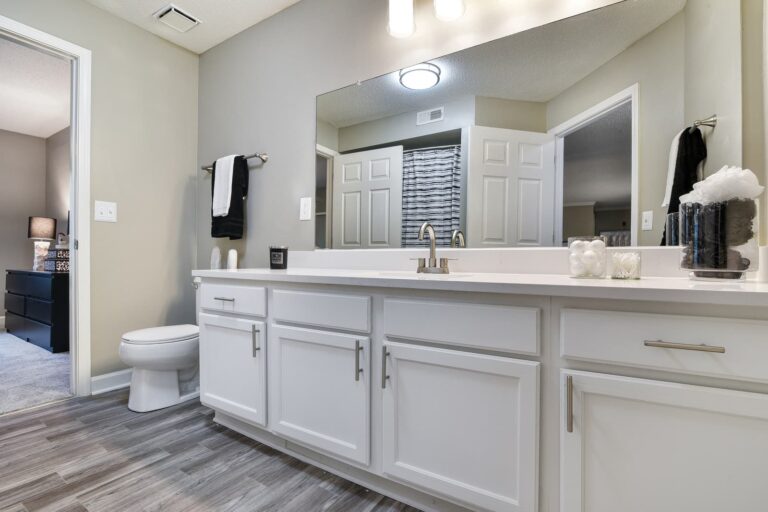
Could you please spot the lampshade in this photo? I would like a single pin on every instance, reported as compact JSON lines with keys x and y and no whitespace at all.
{"x":41,"y":228}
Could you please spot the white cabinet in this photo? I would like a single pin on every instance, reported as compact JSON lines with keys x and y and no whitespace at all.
{"x":642,"y":445}
{"x":462,"y":425}
{"x":233,"y":366}
{"x":320,"y":382}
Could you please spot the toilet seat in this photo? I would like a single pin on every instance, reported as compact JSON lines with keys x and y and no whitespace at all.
{"x":157,"y":335}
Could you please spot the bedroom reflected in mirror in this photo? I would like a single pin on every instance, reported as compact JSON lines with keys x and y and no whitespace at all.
{"x":590,"y":126}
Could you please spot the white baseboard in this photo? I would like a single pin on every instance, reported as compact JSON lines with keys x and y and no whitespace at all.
{"x":111,"y":381}
{"x":2,"y":323}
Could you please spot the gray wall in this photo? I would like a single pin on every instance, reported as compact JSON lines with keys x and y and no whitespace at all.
{"x":270,"y":106}
{"x":459,"y":113}
{"x":22,"y":195}
{"x":529,"y":116}
{"x":656,"y":63}
{"x":57,"y":178}
{"x":143,"y":156}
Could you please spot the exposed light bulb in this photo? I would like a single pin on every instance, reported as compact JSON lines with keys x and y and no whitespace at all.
{"x":401,"y":18}
{"x":449,"y":10}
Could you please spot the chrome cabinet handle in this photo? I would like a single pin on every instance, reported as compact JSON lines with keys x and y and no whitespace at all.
{"x":684,"y":346}
{"x":254,"y":339}
{"x":225,"y":299}
{"x":384,"y":376}
{"x":569,"y":404}
{"x":358,"y":370}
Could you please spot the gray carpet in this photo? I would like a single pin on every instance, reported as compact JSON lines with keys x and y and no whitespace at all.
{"x":30,"y":375}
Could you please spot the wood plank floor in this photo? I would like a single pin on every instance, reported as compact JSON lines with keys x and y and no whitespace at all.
{"x":93,"y":454}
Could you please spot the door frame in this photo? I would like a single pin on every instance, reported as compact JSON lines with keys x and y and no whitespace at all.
{"x":80,"y":191}
{"x":329,"y":154}
{"x":630,"y":94}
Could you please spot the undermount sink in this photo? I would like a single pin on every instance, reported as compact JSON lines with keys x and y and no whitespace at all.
{"x":413,"y":273}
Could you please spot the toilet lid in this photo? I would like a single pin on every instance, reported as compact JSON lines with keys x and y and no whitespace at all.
{"x":162,"y":334}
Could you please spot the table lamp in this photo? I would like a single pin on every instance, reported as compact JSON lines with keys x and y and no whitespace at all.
{"x":42,"y":230}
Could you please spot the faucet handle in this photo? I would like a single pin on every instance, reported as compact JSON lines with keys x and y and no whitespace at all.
{"x":422,"y":263}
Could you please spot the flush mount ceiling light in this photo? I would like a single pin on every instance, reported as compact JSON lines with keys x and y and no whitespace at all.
{"x":176,"y":18}
{"x":401,"y":18}
{"x":420,"y":76}
{"x":449,"y":10}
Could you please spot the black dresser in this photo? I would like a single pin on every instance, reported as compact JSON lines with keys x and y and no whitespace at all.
{"x":37,"y":308}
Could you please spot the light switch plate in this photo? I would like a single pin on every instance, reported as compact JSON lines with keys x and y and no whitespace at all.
{"x":104,"y":211}
{"x":305,"y":210}
{"x":647,"y":220}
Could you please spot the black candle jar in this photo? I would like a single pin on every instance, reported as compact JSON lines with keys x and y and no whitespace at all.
{"x":278,"y":257}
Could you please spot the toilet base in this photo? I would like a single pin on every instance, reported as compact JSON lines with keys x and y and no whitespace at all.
{"x":156,"y":389}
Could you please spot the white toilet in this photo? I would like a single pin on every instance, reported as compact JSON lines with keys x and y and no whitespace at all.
{"x":165,"y":366}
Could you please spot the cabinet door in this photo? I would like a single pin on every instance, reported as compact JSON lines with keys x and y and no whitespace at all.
{"x":641,"y":445}
{"x":321,"y":385}
{"x":233,"y":366}
{"x":462,"y":425}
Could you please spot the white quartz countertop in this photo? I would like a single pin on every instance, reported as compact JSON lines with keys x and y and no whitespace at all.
{"x":668,"y":289}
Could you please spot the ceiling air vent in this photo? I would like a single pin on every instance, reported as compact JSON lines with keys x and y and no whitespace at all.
{"x":430,"y":116}
{"x":176,"y":18}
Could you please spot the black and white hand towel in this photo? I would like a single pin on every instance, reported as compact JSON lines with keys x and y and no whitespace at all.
{"x":231,"y":224}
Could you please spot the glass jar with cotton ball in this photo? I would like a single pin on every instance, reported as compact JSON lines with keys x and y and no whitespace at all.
{"x":625,"y":265}
{"x":588,"y":256}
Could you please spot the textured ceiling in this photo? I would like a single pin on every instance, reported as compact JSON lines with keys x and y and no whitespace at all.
{"x":220,"y":19}
{"x":34,"y":91}
{"x":598,"y":161}
{"x":535,"y":65}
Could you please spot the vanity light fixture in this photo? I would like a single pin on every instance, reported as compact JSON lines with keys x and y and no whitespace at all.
{"x":421,"y":76}
{"x":401,"y":18}
{"x":449,"y":10}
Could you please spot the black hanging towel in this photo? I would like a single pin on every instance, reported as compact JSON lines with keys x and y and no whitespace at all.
{"x":691,"y":150}
{"x":232,"y":225}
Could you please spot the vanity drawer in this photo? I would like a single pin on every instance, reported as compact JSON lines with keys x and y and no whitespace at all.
{"x":234,"y":298}
{"x":486,"y":326}
{"x":339,"y":311}
{"x":717,"y":347}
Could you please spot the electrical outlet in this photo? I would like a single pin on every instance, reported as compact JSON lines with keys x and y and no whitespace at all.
{"x":647,"y":220}
{"x":305,"y":209}
{"x":104,"y":211}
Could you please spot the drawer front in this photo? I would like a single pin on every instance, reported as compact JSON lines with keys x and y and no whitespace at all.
{"x":717,"y":347}
{"x":486,"y":326}
{"x":40,"y":310}
{"x":350,"y":312}
{"x":14,"y":303}
{"x":16,"y":283}
{"x":38,"y":286}
{"x":234,"y":298}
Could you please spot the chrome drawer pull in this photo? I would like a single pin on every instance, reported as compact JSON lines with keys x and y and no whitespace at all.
{"x":384,"y":376}
{"x":358,"y":370}
{"x":569,"y":404}
{"x":225,"y":299}
{"x":684,"y":346}
{"x":254,"y":339}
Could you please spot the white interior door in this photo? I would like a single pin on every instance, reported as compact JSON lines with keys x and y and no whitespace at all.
{"x":233,"y":373}
{"x":510,"y":188}
{"x":368,"y":199}
{"x":462,"y":425}
{"x":641,"y":445}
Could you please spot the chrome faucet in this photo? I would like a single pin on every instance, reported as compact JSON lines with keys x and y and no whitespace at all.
{"x":457,"y":238}
{"x":432,"y":267}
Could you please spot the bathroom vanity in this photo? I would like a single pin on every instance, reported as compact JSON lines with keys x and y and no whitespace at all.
{"x":499,"y":392}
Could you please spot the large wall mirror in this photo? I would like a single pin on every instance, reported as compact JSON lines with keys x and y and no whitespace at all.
{"x":563,"y":130}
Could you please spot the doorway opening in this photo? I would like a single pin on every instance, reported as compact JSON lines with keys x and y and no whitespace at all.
{"x":596,"y":168}
{"x":44,"y":221}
